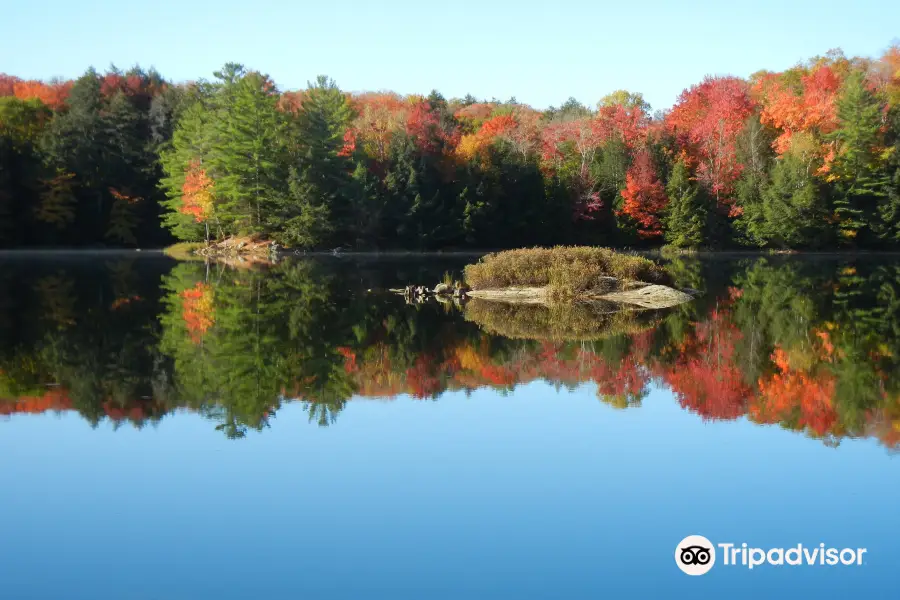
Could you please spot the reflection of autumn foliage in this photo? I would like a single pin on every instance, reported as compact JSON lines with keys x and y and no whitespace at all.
{"x":350,"y":364}
{"x":198,"y":310}
{"x":751,"y":347}
{"x":124,"y":301}
{"x":422,"y":378}
{"x":54,"y":399}
{"x":57,"y":399}
{"x":795,"y":396}
{"x":622,"y":386}
{"x":705,"y":377}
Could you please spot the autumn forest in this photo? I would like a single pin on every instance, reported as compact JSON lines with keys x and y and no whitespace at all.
{"x":806,"y":158}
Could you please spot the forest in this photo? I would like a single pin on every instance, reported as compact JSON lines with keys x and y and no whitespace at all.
{"x":806,"y":158}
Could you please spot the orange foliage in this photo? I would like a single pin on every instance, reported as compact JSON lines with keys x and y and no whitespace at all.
{"x":53,"y":399}
{"x":793,"y":394}
{"x":291,"y":101}
{"x":198,"y":310}
{"x":472,"y":145}
{"x":53,"y":95}
{"x":124,"y":301}
{"x":198,"y":189}
{"x":812,"y":108}
{"x":379,"y":116}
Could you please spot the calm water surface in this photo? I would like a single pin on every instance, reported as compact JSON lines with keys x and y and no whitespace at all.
{"x":186,"y":430}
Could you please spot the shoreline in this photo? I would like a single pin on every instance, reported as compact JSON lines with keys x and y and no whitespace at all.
{"x":161,"y":251}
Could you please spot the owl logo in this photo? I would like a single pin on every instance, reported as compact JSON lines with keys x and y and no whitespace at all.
{"x":695,"y":555}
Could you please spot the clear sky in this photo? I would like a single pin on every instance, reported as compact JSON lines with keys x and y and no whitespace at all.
{"x":541,"y":53}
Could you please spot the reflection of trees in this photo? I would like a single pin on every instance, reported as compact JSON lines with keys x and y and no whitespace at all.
{"x":810,"y":346}
{"x":241,"y":340}
{"x":77,"y":348}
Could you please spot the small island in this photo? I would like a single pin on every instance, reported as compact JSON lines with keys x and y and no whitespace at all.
{"x":572,"y":274}
{"x":559,"y":294}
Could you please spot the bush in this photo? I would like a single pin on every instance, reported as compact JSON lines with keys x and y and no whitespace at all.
{"x":566,"y":271}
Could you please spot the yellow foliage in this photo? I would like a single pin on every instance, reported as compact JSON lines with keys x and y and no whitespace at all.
{"x":469,"y":146}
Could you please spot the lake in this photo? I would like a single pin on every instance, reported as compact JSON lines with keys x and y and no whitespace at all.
{"x":189,"y":430}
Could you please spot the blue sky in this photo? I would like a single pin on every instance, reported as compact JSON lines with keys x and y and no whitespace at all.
{"x":541,"y":53}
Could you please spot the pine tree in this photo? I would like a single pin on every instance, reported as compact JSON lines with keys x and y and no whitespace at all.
{"x":858,"y":173}
{"x":688,"y":211}
{"x":795,"y":211}
{"x":247,"y":160}
{"x":321,"y":178}
{"x":190,"y":145}
{"x":300,"y":219}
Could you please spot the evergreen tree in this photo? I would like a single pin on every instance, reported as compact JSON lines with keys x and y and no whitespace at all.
{"x":301,"y":219}
{"x":687,"y":213}
{"x":889,"y":206}
{"x":860,"y":179}
{"x":321,"y":180}
{"x":248,"y":158}
{"x":190,"y":144}
{"x":794,"y":209}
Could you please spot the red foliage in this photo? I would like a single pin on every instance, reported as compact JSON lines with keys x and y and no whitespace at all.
{"x":124,"y":301}
{"x":706,"y":121}
{"x":644,"y":196}
{"x":349,"y":355}
{"x":349,"y":146}
{"x":706,"y":378}
{"x":626,"y":380}
{"x":424,"y":127}
{"x":627,"y":124}
{"x":379,"y":116}
{"x":422,"y":377}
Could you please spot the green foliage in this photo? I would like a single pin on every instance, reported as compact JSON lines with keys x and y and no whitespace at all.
{"x":794,"y":210}
{"x":316,"y":209}
{"x":858,"y":168}
{"x":246,"y":160}
{"x":688,"y":210}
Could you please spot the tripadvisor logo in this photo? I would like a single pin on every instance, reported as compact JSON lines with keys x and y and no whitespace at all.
{"x":696,"y":555}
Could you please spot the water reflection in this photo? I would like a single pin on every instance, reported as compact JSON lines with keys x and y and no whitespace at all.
{"x":811,"y":345}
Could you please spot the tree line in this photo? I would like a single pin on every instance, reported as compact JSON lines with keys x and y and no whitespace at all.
{"x":804,"y":158}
